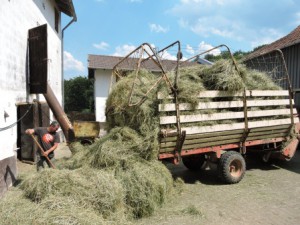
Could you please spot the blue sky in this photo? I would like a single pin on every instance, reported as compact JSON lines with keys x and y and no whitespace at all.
{"x":116,"y":27}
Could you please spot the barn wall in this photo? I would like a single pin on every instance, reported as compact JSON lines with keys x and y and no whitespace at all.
{"x":16,"y":18}
{"x":292,"y":57}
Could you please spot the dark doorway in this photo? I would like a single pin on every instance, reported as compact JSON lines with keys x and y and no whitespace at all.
{"x":33,"y":115}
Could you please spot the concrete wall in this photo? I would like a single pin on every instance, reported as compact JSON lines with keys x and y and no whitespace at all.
{"x":16,"y":18}
{"x":101,"y":91}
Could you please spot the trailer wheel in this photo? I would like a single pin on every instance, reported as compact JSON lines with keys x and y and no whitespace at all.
{"x":232,"y":167}
{"x":194,"y":162}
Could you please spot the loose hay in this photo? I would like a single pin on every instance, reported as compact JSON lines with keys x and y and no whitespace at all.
{"x":147,"y":186}
{"x":223,"y":76}
{"x":120,"y":146}
{"x":141,"y":118}
{"x":16,"y":209}
{"x":85,"y":186}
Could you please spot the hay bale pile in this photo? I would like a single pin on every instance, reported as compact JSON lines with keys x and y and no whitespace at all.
{"x":118,"y":177}
{"x":144,"y":118}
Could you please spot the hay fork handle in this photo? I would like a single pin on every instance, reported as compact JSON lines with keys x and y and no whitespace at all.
{"x":42,"y":150}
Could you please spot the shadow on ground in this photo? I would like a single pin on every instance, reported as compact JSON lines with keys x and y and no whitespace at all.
{"x":209,"y":175}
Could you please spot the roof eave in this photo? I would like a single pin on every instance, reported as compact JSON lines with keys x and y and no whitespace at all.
{"x":67,"y":7}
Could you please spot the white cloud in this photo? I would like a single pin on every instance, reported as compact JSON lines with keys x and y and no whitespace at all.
{"x":124,"y":50}
{"x":135,"y":1}
{"x":190,"y":50}
{"x":244,"y":22}
{"x":166,"y":55}
{"x":158,"y":28}
{"x":70,"y":63}
{"x":217,"y":26}
{"x":266,"y":36}
{"x":202,"y":47}
{"x":102,"y":46}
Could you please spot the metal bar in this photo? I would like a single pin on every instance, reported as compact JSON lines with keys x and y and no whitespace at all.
{"x":180,"y":135}
{"x":171,"y":45}
{"x":218,"y":148}
{"x":136,"y":74}
{"x":157,"y":62}
{"x":291,"y":94}
{"x":286,"y":71}
{"x":219,"y":46}
{"x":246,"y":130}
{"x":127,"y":56}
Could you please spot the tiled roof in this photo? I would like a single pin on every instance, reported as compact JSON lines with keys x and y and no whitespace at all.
{"x":286,"y":41}
{"x":108,"y":62}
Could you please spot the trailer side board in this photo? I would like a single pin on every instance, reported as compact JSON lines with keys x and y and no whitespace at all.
{"x":223,"y":119}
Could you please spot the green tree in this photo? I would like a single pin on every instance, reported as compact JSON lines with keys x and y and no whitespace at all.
{"x":79,"y":94}
{"x":225,"y":55}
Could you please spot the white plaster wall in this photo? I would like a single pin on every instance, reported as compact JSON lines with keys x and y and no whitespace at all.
{"x":101,"y":90}
{"x":16,"y":18}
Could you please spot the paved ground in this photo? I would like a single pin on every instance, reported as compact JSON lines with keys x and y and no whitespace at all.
{"x":268,"y":194}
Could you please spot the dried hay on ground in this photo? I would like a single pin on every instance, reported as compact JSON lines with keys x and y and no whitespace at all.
{"x":121,"y":144}
{"x":148,"y":185}
{"x":15,"y":208}
{"x":86,"y":187}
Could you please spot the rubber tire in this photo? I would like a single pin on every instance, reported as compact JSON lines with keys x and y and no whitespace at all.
{"x":228,"y":161}
{"x":194,"y":162}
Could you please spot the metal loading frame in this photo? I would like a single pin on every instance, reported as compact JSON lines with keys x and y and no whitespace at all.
{"x":182,"y":134}
{"x":153,"y":55}
{"x":142,"y":49}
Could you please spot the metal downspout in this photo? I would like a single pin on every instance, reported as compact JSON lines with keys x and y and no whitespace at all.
{"x":74,"y":19}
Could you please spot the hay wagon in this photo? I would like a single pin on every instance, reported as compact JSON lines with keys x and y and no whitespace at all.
{"x":224,"y":126}
{"x":262,"y":121}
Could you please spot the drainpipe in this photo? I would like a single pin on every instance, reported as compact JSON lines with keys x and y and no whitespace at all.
{"x":74,"y":19}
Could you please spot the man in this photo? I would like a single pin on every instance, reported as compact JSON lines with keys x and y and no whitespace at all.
{"x":48,"y":139}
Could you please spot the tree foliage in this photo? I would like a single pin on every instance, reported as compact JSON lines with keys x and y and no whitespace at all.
{"x":226,"y":55}
{"x":79,"y":94}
